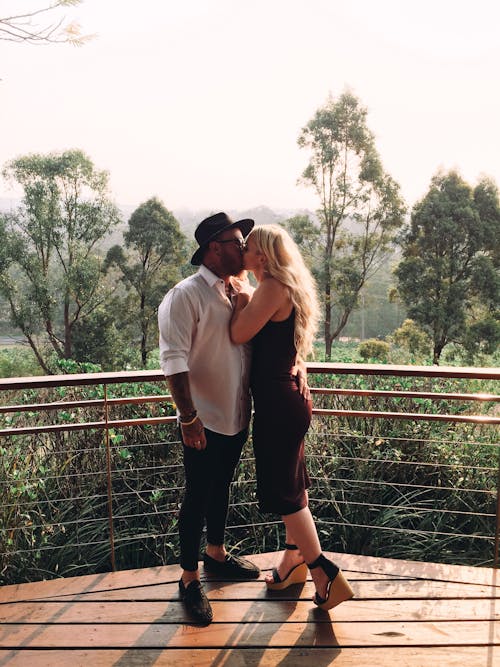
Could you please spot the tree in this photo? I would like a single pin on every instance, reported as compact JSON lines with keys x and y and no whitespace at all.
{"x":52,"y":272}
{"x":448,"y":276}
{"x":360,"y":206}
{"x":23,"y":27}
{"x":156,"y":251}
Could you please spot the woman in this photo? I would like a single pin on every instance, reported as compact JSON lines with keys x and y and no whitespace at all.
{"x":280,"y":317}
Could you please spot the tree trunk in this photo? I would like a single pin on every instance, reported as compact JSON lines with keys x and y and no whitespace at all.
{"x":436,"y":353}
{"x":144,"y":351}
{"x":328,"y":320}
{"x":144,"y":331}
{"x":37,"y":354}
{"x":67,"y":331}
{"x":342,"y":323}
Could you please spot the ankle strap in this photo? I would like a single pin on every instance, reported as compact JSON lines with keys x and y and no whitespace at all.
{"x":291,"y":547}
{"x":328,"y":566}
{"x":320,"y":560}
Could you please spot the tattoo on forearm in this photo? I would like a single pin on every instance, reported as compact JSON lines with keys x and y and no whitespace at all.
{"x":181,"y":392}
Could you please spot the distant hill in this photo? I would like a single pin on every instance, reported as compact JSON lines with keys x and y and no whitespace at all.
{"x":263,"y":215}
{"x":188,"y":219}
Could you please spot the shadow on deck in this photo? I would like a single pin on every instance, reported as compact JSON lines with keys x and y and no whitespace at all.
{"x":408,"y":614}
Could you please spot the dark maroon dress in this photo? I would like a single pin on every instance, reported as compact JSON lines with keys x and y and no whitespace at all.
{"x":282,"y":417}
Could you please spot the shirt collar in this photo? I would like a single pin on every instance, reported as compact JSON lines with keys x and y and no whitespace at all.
{"x":209,"y":277}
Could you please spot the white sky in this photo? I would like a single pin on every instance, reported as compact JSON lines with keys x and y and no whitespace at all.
{"x":200,"y":102}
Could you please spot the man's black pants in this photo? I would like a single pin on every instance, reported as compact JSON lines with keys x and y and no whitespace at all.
{"x":208,"y":476}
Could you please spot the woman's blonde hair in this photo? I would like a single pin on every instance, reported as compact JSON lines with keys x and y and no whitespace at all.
{"x":285,"y":263}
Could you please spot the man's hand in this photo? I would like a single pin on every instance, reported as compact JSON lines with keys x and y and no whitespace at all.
{"x":194,"y":435}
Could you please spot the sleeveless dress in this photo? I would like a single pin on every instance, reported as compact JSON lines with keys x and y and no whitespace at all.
{"x":282,"y":417}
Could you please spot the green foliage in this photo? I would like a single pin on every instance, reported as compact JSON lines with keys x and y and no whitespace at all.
{"x":448,"y":277}
{"x":482,"y":337}
{"x":18,"y":361}
{"x":156,"y":251}
{"x":98,"y":339}
{"x":410,"y":336}
{"x":374,"y":349}
{"x":54,"y":514}
{"x":68,"y":366}
{"x":51,"y":273}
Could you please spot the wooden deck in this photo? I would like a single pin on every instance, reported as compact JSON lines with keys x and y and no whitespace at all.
{"x":405,"y":614}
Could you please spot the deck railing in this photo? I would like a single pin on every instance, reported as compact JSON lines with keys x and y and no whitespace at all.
{"x":404,"y":462}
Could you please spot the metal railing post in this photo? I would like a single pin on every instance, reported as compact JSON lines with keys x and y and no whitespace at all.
{"x":109,"y":480}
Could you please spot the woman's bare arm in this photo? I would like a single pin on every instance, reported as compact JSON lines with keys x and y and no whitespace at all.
{"x":252,"y":312}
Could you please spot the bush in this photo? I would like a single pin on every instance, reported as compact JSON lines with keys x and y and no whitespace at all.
{"x":411,"y":337}
{"x":374,"y":349}
{"x":18,"y":361}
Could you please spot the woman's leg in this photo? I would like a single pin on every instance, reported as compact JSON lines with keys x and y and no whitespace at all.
{"x":301,"y":525}
{"x":290,"y":557}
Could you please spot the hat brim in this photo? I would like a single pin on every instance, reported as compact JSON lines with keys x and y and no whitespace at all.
{"x":246,"y":227}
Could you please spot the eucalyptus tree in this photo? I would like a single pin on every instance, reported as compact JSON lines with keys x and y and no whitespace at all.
{"x":155,"y":251}
{"x":52,"y":277}
{"x":448,"y":277}
{"x":360,"y":211}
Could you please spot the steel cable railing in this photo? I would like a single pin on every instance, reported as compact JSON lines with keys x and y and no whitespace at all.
{"x":91,"y":475}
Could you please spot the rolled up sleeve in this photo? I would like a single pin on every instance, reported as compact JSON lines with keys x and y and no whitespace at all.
{"x":176,"y":326}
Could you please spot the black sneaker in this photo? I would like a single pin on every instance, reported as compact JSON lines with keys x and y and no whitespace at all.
{"x":196,"y":602}
{"x":232,"y":567}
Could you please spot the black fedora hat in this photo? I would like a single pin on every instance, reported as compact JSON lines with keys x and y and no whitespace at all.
{"x":211,"y":227}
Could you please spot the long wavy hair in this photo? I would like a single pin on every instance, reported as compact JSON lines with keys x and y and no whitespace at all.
{"x":285,"y":263}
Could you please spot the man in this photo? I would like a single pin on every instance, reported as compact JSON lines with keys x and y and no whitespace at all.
{"x":208,"y":377}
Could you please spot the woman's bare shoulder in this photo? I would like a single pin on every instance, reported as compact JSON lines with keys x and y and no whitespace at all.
{"x":273,"y":284}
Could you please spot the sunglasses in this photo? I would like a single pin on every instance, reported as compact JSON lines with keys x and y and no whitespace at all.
{"x":241,"y":243}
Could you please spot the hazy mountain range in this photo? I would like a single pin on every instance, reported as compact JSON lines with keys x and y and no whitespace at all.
{"x":189,"y":219}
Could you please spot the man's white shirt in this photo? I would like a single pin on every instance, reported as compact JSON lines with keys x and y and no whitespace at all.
{"x":193,"y":321}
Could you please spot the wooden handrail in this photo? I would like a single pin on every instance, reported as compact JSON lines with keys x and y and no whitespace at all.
{"x":80,"y":379}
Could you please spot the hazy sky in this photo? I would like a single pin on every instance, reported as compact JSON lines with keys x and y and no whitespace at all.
{"x":200,"y":102}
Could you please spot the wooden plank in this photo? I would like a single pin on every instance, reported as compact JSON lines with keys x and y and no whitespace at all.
{"x":352,"y":563}
{"x":90,"y":582}
{"x":256,"y":590}
{"x":438,"y":571}
{"x":130,"y":579}
{"x":264,"y":610}
{"x":253,"y":634}
{"x":322,"y":657}
{"x":123,"y":578}
{"x":407,"y":657}
{"x":171,"y":573}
